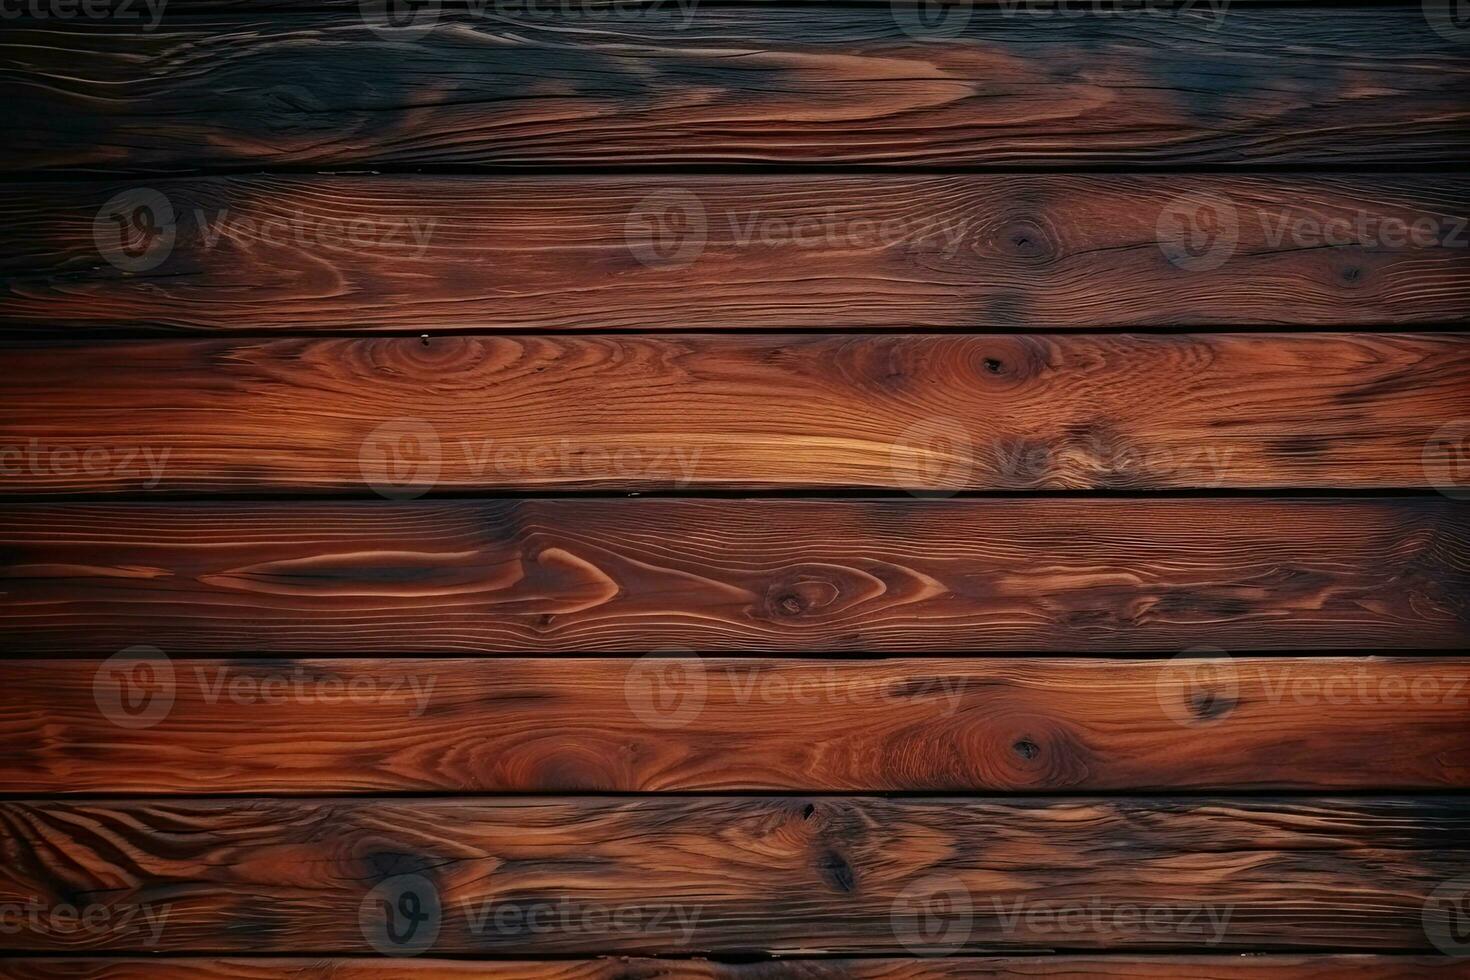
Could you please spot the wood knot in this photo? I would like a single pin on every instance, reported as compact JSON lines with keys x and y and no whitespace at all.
{"x":1026,"y":749}
{"x":1026,"y":239}
{"x":837,"y":872}
{"x":1209,"y":705}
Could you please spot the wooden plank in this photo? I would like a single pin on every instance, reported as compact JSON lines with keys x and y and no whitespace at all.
{"x":681,"y":875}
{"x":1257,"y":967}
{"x":689,"y":724}
{"x":555,"y":576}
{"x":1017,"y":251}
{"x":734,"y":86}
{"x":658,"y":412}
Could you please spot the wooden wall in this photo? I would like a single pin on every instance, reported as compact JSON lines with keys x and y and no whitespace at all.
{"x":734,"y":490}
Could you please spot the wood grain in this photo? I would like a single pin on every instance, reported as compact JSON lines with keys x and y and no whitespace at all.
{"x":1256,"y":967}
{"x":669,"y":412}
{"x":682,"y":251}
{"x":548,"y":576}
{"x":724,"y":875}
{"x":688,"y":724}
{"x":734,"y":86}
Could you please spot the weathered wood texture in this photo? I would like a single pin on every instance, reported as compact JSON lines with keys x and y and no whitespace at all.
{"x":740,"y":86}
{"x":1220,"y":967}
{"x":782,"y":575}
{"x":686,"y":723}
{"x":1025,"y":251}
{"x":680,"y":875}
{"x":902,"y":412}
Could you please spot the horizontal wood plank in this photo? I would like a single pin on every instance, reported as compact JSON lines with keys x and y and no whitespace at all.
{"x":758,"y":85}
{"x":1221,"y":967}
{"x":1018,"y":251}
{"x":689,"y":723}
{"x":920,"y":413}
{"x":806,"y":576}
{"x":749,"y":874}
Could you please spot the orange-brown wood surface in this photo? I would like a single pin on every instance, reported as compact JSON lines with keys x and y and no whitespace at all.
{"x":684,"y":723}
{"x":740,"y":85}
{"x":549,"y":576}
{"x":1219,"y":967}
{"x":698,"y":411}
{"x":684,"y":251}
{"x":787,"y":875}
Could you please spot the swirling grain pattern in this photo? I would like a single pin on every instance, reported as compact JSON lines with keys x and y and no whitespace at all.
{"x":549,"y":576}
{"x":669,"y":412}
{"x":1220,"y":967}
{"x":682,"y":251}
{"x":782,"y":875}
{"x":721,"y":85}
{"x":685,"y":724}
